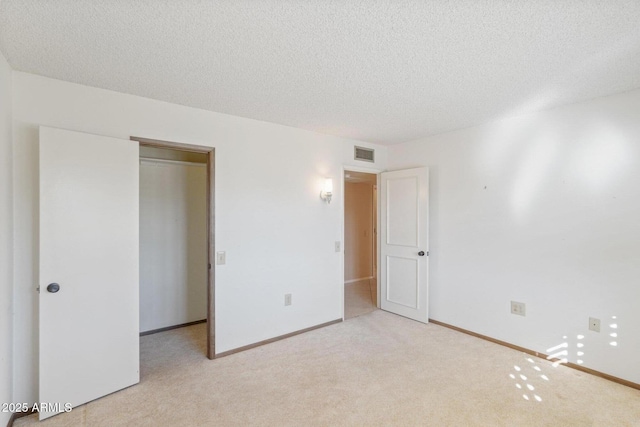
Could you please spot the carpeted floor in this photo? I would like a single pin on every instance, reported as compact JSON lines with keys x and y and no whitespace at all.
{"x":375,"y":369}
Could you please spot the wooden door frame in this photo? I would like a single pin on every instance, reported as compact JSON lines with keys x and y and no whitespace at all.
{"x":210,"y":152}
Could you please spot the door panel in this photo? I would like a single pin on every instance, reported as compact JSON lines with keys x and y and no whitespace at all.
{"x":89,"y":329}
{"x":402,"y":217}
{"x":404,"y":227}
{"x":402,"y":270}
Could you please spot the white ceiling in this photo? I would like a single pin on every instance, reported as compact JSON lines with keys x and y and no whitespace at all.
{"x":379,"y":71}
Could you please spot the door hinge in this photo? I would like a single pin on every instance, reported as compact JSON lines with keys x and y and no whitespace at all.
{"x":209,"y":266}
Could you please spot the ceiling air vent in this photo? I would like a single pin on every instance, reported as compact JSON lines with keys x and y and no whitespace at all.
{"x":364,"y":154}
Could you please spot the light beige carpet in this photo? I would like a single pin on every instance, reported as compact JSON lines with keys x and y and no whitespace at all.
{"x":377,"y":369}
{"x":359,"y":298}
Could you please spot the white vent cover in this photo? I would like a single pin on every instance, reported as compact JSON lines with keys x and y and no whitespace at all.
{"x":364,"y":154}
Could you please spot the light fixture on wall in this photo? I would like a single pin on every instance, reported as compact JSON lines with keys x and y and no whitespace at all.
{"x":327,"y":190}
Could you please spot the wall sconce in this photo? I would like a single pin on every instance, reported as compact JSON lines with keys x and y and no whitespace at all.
{"x":327,"y":190}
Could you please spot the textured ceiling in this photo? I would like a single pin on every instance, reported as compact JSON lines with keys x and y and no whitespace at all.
{"x":379,"y":71}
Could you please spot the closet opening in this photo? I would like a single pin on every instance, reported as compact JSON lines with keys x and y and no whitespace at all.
{"x":176,"y":246}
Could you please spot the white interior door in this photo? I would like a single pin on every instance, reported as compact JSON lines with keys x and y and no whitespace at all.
{"x":89,"y":328}
{"x":404,"y":243}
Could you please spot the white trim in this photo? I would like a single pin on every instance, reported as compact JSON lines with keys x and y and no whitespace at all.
{"x":361,"y":169}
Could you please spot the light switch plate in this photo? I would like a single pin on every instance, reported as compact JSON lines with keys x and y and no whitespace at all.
{"x":337,"y":245}
{"x":221,"y":258}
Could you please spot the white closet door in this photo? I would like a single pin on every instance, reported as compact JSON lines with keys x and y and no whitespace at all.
{"x":89,"y":327}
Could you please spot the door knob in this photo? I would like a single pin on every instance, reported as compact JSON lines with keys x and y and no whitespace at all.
{"x":53,"y":288}
{"x":421,"y":253}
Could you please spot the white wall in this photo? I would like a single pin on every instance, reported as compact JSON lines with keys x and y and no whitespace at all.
{"x":358,"y":230}
{"x":542,"y":209}
{"x":6,"y":238}
{"x":279,"y":236}
{"x":173,"y":244}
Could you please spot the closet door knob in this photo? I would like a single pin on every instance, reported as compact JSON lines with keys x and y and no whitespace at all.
{"x":53,"y":288}
{"x":421,"y":253}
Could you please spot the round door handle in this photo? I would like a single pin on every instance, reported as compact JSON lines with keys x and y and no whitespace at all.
{"x":53,"y":288}
{"x":421,"y":253}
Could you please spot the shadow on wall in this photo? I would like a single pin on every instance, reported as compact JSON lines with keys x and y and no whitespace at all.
{"x":533,"y":152}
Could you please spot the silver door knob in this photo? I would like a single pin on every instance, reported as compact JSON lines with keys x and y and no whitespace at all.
{"x":53,"y":288}
{"x":421,"y":253}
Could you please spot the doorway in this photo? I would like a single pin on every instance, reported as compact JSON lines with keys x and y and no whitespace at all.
{"x":360,"y":243}
{"x":89,"y":203}
{"x":176,"y":241}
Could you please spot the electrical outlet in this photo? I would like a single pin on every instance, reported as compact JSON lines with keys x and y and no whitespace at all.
{"x":594,"y":324}
{"x":221,"y":258}
{"x":287,"y":299}
{"x":518,"y":308}
{"x":337,"y":246}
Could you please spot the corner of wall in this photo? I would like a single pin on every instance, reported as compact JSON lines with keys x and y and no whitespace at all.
{"x":6,"y":238}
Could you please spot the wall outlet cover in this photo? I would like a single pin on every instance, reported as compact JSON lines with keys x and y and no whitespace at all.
{"x":518,"y":308}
